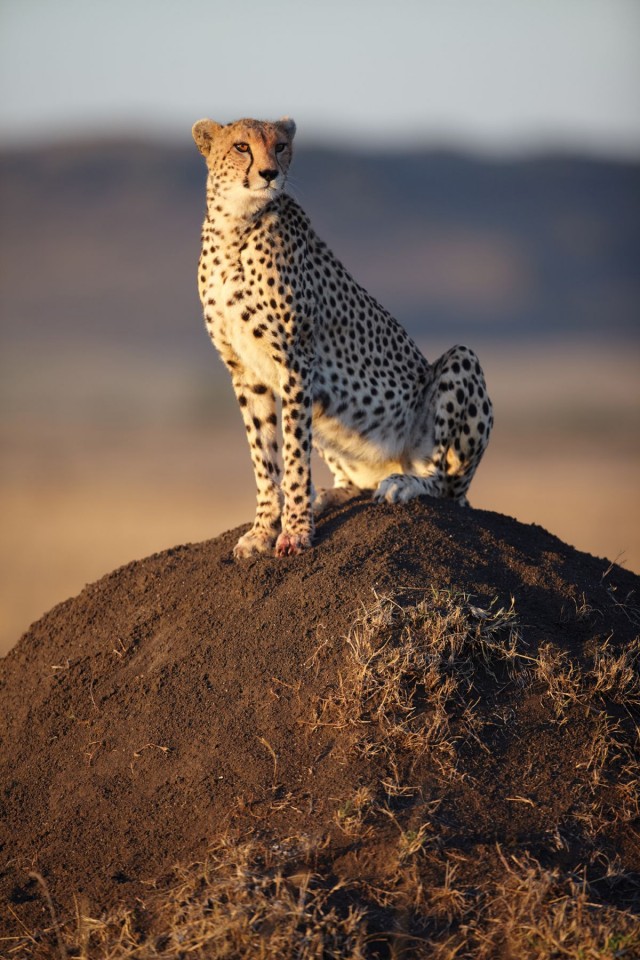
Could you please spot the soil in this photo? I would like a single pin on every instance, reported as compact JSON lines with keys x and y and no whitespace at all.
{"x":173,"y":703}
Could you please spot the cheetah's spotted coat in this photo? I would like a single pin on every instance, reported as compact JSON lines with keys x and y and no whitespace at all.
{"x":291,"y":323}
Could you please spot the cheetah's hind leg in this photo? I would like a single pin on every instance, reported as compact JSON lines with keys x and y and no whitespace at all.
{"x":457,"y":422}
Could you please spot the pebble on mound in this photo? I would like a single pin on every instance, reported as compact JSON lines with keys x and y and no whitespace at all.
{"x":172,"y":702}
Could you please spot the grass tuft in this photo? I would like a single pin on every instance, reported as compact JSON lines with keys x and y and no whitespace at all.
{"x":539,"y":914}
{"x":411,"y":671}
{"x":246,"y":900}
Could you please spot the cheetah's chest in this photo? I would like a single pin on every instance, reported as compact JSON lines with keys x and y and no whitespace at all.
{"x":231,"y":323}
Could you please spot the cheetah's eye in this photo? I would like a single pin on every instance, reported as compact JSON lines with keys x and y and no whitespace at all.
{"x":242,"y":147}
{"x":280,"y":147}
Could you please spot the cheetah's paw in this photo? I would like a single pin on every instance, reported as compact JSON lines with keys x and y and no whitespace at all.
{"x":253,"y":543}
{"x":289,"y":544}
{"x":398,"y":488}
{"x":332,"y":497}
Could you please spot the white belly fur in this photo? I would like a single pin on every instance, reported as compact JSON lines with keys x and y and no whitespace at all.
{"x":365,"y":461}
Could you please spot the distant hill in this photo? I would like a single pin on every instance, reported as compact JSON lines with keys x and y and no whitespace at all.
{"x":99,"y":241}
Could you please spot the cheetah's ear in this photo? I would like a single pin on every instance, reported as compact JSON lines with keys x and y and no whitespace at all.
{"x":289,"y":126}
{"x":203,"y":133}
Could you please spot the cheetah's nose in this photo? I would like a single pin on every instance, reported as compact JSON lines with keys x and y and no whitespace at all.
{"x":268,"y":175}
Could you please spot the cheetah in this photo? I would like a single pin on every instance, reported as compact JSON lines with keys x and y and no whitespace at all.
{"x":294,"y":328}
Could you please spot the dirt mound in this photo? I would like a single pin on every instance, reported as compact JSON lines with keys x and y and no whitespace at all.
{"x":186,"y":702}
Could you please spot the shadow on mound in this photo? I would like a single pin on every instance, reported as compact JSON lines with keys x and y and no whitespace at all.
{"x":186,"y":701}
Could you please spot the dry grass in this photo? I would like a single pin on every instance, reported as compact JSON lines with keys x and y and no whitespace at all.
{"x":539,"y":914}
{"x":246,"y":900}
{"x":251,"y":902}
{"x":611,"y":676}
{"x":411,"y":671}
{"x":616,"y":676}
{"x":351,"y":815}
{"x":606,"y":689}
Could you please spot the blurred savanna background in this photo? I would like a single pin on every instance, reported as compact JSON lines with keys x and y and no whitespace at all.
{"x":475,"y":165}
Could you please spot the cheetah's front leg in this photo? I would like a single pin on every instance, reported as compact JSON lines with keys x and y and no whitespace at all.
{"x":297,"y":514}
{"x":258,"y":406}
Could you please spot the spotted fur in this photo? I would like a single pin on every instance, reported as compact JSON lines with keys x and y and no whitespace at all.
{"x":291,"y":324}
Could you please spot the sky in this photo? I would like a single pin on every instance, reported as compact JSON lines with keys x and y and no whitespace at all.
{"x":490,"y":75}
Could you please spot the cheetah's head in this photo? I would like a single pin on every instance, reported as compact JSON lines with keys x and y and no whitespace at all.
{"x":247,"y":161}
